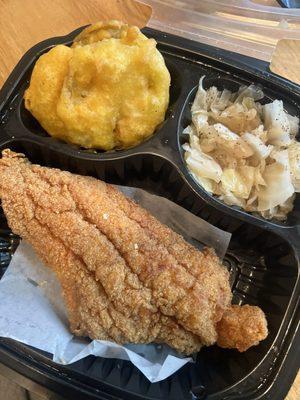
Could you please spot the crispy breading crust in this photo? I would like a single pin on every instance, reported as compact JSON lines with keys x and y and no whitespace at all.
{"x":125,"y":276}
{"x":242,"y":327}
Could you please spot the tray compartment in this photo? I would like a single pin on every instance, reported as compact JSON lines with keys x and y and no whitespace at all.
{"x":263,"y":267}
{"x":20,"y":122}
{"x":224,"y":81}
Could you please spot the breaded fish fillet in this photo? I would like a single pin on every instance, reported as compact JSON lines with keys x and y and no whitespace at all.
{"x":125,"y":277}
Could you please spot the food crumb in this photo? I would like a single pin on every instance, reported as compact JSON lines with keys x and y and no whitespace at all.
{"x":105,"y":216}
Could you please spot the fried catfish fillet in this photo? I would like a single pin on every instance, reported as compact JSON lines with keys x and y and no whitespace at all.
{"x":110,"y":89}
{"x":125,"y":276}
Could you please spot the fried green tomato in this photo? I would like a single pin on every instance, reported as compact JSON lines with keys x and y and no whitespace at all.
{"x":110,"y":89}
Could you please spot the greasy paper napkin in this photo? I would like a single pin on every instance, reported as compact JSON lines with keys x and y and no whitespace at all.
{"x":32,"y":310}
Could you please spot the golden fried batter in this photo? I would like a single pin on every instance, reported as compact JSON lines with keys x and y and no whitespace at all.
{"x":125,"y":276}
{"x":242,"y":327}
{"x":109,"y":90}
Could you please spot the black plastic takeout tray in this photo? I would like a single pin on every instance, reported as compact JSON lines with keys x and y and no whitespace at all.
{"x":263,"y":257}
